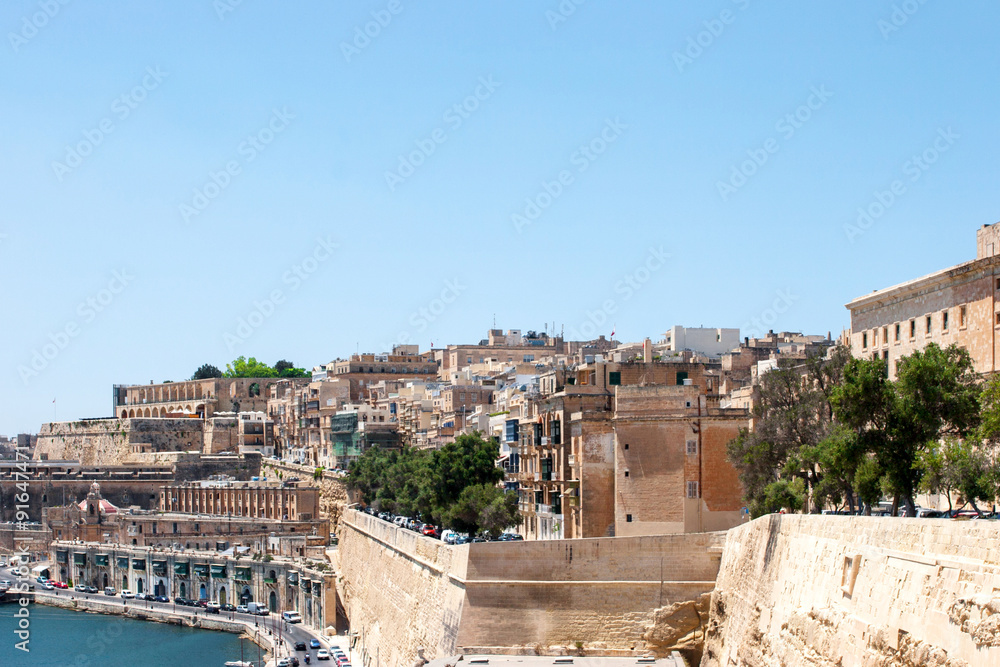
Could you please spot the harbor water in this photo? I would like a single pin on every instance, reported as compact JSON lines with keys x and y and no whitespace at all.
{"x":64,"y":638}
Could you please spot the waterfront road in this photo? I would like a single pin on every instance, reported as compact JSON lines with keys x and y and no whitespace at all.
{"x":270,"y":628}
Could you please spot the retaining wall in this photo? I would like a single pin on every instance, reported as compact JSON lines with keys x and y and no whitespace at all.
{"x":856,"y":591}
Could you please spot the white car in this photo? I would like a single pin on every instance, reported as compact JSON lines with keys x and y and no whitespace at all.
{"x":127,"y":595}
{"x":322,"y":654}
{"x":242,"y":609}
{"x":47,"y":586}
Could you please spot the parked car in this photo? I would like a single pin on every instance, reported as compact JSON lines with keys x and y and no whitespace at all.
{"x":429,"y":531}
{"x":161,"y":598}
{"x":47,"y":586}
{"x":228,"y":607}
{"x":91,"y":590}
{"x":60,"y":585}
{"x":242,"y":609}
{"x":127,"y":595}
{"x":385,"y":516}
{"x":284,"y":662}
{"x":212,"y":610}
{"x":511,"y":537}
{"x":322,"y":654}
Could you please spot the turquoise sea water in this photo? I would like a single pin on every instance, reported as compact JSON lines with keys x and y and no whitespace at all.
{"x":64,"y":638}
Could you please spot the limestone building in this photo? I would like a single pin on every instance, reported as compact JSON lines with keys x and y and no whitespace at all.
{"x":281,"y":584}
{"x":957,"y":305}
{"x":193,"y":398}
{"x":625,"y":448}
{"x":286,"y":501}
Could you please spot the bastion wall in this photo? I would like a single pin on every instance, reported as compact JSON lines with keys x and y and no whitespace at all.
{"x":403,"y":592}
{"x":809,"y":591}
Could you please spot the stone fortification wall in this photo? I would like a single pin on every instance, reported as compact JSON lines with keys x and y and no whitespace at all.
{"x":822,"y":591}
{"x":404,"y":592}
{"x":401,"y":592}
{"x":110,"y":441}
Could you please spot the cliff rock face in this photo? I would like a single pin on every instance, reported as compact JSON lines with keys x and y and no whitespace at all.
{"x":821,"y":591}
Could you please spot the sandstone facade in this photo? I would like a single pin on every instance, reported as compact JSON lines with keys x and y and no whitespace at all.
{"x":811,"y":591}
{"x":403,"y":592}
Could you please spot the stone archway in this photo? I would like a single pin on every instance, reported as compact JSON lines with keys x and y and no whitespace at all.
{"x":124,"y":414}
{"x":272,"y":601}
{"x":202,"y":593}
{"x":223,"y":598}
{"x":124,"y":582}
{"x":140,"y":585}
{"x":131,"y":414}
{"x":161,"y":588}
{"x":105,"y":580}
{"x":246,"y":595}
{"x":183,"y":592}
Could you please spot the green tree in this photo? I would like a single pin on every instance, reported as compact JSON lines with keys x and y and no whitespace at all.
{"x":468,"y":461}
{"x":987,"y":436}
{"x":792,"y":416}
{"x":287,"y":369}
{"x":938,"y":394}
{"x":865,"y":403}
{"x":428,"y":485}
{"x":482,"y":508}
{"x":206,"y":372}
{"x":249,"y":368}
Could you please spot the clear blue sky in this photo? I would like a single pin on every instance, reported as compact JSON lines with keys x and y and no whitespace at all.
{"x":309,"y":128}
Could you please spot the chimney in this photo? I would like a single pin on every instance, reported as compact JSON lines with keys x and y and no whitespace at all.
{"x":647,"y":351}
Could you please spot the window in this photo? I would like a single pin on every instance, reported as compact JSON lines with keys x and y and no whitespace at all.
{"x":998,"y":283}
{"x":930,"y":325}
{"x":615,"y":378}
{"x":628,"y":518}
{"x":898,"y":330}
{"x":864,"y":340}
{"x":998,"y":318}
{"x":945,"y":320}
{"x":681,"y":376}
{"x":962,"y":315}
{"x":626,"y":446}
{"x":875,"y":337}
{"x":692,"y":489}
{"x":626,"y":473}
{"x":885,"y":335}
{"x":692,"y":447}
{"x":913,"y":329}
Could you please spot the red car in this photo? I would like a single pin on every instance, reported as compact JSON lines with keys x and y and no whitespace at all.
{"x":430,"y":531}
{"x":59,"y":584}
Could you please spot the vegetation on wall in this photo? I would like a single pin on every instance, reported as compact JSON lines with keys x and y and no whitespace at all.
{"x":455,"y":487}
{"x":839,"y":433}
